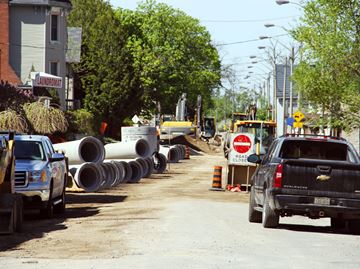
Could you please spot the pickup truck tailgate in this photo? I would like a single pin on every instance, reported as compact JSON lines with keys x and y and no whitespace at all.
{"x":321,"y":177}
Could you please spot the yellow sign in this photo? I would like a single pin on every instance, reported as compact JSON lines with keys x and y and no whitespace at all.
{"x":297,"y":124}
{"x":298,"y":116}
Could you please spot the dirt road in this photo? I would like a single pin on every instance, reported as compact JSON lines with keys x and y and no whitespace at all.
{"x":100,"y":224}
{"x":173,"y":221}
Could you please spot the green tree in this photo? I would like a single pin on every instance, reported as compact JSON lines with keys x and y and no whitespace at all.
{"x":172,"y":54}
{"x":105,"y":74}
{"x":328,"y":76}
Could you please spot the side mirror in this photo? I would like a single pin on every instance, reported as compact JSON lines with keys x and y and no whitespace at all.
{"x":56,"y":157}
{"x":254,"y":158}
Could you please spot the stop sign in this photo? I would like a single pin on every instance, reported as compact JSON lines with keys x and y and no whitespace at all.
{"x":242,"y":143}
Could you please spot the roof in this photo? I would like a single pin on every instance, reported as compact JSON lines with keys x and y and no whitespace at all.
{"x":244,"y":122}
{"x":54,"y":3}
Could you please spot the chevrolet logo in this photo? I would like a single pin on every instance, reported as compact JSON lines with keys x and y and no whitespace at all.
{"x":323,"y":177}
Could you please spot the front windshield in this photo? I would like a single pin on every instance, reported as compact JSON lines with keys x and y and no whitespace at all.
{"x":29,"y":150}
{"x":266,"y":134}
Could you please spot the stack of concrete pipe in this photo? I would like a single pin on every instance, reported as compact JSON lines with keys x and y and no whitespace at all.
{"x":125,"y":162}
{"x":173,"y":153}
{"x":84,"y":157}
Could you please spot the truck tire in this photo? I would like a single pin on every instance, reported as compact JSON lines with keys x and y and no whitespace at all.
{"x":60,"y":207}
{"x":19,"y":215}
{"x":270,"y":218}
{"x":48,"y":211}
{"x":254,"y":215}
{"x":337,"y":223}
{"x":354,"y":226}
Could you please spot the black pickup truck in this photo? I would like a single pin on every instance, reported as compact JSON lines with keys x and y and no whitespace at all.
{"x":317,"y":177}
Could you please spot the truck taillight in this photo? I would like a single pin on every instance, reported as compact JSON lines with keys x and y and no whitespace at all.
{"x":278,"y":176}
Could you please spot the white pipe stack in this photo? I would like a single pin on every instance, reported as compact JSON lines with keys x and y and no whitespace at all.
{"x":88,"y":149}
{"x":86,"y":176}
{"x":159,"y":161}
{"x":127,"y":150}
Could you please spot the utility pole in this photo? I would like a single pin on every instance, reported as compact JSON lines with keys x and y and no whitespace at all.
{"x":292,"y":60}
{"x":284,"y":96}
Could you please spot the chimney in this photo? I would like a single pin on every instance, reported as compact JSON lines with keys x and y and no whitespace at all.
{"x":6,"y":71}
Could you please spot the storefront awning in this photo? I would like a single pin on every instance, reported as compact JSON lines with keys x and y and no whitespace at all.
{"x":41,"y":79}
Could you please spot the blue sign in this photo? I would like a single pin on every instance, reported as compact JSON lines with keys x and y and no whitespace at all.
{"x":290,"y":121}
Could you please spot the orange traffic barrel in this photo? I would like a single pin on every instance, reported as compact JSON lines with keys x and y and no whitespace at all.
{"x":187,"y":152}
{"x":216,"y":184}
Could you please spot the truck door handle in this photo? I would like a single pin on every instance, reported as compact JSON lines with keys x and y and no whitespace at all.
{"x":324,"y":169}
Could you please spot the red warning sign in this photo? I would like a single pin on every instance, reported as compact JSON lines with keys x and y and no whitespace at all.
{"x":242,"y":143}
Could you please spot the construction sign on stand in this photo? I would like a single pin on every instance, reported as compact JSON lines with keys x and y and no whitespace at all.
{"x":241,"y":146}
{"x":298,"y":116}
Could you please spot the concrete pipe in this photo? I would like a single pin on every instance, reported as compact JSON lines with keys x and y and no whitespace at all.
{"x":88,"y":149}
{"x":145,"y":166}
{"x":111,"y":174}
{"x":121,"y":168}
{"x":137,"y":171}
{"x":127,"y":150}
{"x":172,"y":154}
{"x":86,"y":176}
{"x":182,"y":149}
{"x":151,"y":166}
{"x":128,"y":171}
{"x":159,"y":161}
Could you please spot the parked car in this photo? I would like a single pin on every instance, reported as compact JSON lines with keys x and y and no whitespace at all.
{"x":317,"y":177}
{"x":40,"y":174}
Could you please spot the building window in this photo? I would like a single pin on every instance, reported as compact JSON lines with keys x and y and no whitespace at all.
{"x":54,"y":27}
{"x":54,"y":68}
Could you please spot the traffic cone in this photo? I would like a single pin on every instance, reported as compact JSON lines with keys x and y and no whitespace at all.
{"x":216,"y":185}
{"x":187,"y":152}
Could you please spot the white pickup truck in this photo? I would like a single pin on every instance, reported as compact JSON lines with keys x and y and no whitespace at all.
{"x":40,"y":174}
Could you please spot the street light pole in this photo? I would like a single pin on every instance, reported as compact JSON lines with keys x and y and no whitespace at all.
{"x":284,"y":97}
{"x":292,"y":59}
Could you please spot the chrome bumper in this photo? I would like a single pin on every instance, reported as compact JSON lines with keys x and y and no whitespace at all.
{"x":43,"y":194}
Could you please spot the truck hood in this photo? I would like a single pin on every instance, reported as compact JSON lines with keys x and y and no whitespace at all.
{"x":27,"y":165}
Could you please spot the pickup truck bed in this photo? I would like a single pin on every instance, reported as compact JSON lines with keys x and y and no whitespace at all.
{"x":311,"y":177}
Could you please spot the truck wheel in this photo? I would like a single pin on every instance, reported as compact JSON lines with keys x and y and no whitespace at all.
{"x":19,"y":215}
{"x":48,"y":211}
{"x":337,"y":223}
{"x":270,"y":218}
{"x":354,"y":226}
{"x":60,"y":207}
{"x":254,"y":215}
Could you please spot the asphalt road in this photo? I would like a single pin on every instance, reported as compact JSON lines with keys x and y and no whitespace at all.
{"x":173,"y":221}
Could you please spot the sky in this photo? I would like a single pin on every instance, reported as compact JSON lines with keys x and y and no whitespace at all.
{"x":232,"y":21}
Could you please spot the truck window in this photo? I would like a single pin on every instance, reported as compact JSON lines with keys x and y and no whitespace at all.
{"x":319,"y":150}
{"x":29,"y":150}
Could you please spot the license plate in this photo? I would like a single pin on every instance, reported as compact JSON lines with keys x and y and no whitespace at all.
{"x":322,"y":201}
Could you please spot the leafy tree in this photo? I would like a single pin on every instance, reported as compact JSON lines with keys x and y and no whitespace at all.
{"x":329,"y":75}
{"x":105,"y":74}
{"x":172,"y":54}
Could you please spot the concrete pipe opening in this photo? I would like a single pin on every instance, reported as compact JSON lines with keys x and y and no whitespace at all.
{"x":137,"y":171}
{"x":87,"y":176}
{"x":159,"y":161}
{"x":142,"y":148}
{"x":91,"y":150}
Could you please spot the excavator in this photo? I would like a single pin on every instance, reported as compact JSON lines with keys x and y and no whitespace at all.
{"x":179,"y":124}
{"x":11,"y":203}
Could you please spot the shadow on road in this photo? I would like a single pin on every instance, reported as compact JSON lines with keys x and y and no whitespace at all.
{"x":35,"y":228}
{"x":313,"y":229}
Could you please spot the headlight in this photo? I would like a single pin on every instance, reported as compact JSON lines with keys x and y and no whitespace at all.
{"x":37,"y":175}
